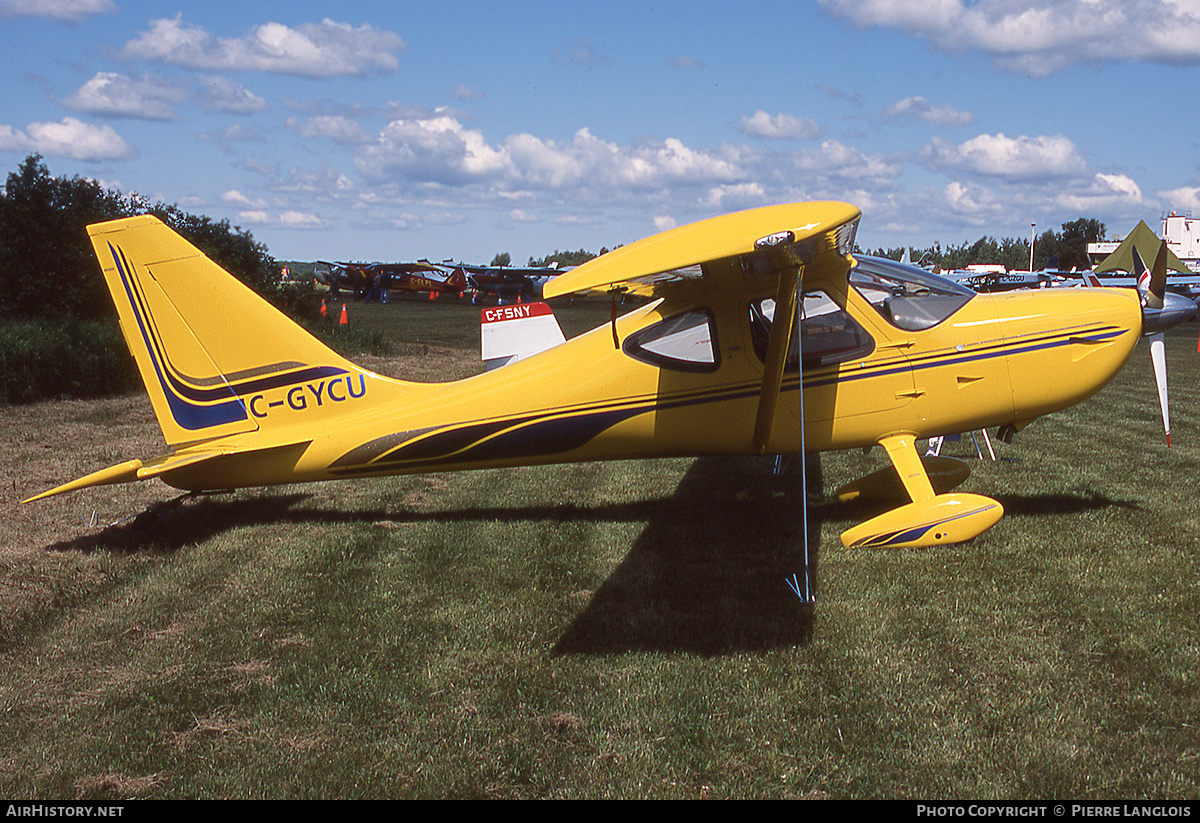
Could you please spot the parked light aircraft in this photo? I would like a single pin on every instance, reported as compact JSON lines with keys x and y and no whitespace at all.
{"x":886,"y":354}
{"x":512,"y":283}
{"x":1003,"y":281}
{"x":420,"y":276}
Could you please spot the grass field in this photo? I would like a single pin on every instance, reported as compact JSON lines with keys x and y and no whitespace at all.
{"x":611,"y":630}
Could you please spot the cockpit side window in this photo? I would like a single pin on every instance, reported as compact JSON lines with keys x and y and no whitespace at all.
{"x":683,"y":342}
{"x":907,"y":297}
{"x":828,"y":333}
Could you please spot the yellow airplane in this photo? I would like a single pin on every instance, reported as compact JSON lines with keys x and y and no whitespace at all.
{"x":890,"y":354}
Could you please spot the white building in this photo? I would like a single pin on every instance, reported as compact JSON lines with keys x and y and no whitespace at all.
{"x":1183,"y":238}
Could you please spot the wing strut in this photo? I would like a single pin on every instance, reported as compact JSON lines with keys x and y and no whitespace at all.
{"x":787,"y":305}
{"x":810,"y":594}
{"x":777,"y":351}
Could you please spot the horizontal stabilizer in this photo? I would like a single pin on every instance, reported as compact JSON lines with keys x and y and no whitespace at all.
{"x":128,"y":472}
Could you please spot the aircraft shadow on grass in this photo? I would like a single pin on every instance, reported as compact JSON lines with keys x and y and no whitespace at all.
{"x":707,"y":575}
{"x":1061,"y":503}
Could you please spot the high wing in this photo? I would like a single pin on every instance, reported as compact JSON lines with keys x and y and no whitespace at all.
{"x":421,"y":276}
{"x":753,"y":243}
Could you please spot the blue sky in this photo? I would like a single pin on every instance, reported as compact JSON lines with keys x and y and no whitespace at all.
{"x":399,"y":130}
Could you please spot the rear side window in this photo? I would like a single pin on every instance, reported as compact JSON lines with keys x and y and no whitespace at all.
{"x":830,"y":334}
{"x":683,"y":342}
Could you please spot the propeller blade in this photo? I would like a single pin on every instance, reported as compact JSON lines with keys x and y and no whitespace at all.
{"x":1158,"y":356}
{"x":1142,"y":272}
{"x":1151,"y":282}
{"x":1158,"y":275}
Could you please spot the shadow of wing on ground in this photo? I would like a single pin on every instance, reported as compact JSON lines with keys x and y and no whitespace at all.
{"x":186,"y":520}
{"x":189,"y":519}
{"x":1017,"y":505}
{"x":708,"y":575}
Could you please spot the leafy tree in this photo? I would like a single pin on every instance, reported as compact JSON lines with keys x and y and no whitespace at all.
{"x":58,"y":326}
{"x":501,"y":259}
{"x":47,"y":266}
{"x":1074,"y":241}
{"x":49,"y":269}
{"x":230,"y":247}
{"x":566,"y":258}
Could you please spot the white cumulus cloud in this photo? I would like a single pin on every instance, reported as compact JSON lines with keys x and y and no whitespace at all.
{"x":233,"y":197}
{"x":440,"y":149}
{"x":779,"y":126}
{"x":737,"y":195}
{"x":834,"y":160}
{"x":283,"y":220}
{"x":115,"y":95}
{"x":67,"y":10}
{"x":1103,"y":194}
{"x":918,"y":108}
{"x":150,"y":97}
{"x":330,"y":126}
{"x":972,"y":203}
{"x":216,"y":93}
{"x":327,"y":49}
{"x":1184,"y":199}
{"x":1040,"y":37}
{"x":1010,"y":158}
{"x":70,"y":138}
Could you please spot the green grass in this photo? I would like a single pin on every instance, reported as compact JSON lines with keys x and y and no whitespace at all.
{"x":624,"y":630}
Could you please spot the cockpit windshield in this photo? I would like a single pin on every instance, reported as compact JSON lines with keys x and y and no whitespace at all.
{"x":906,"y":296}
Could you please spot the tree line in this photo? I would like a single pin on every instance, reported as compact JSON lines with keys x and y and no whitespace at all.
{"x":1063,"y":250}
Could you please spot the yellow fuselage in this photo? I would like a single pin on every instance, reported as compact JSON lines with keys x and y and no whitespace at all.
{"x":998,"y":360}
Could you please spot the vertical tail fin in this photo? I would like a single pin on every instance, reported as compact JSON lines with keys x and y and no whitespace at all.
{"x":511,"y":333}
{"x":206,"y":345}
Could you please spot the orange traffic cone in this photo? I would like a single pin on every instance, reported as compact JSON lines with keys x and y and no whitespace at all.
{"x":324,"y":311}
{"x":345,"y":321}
